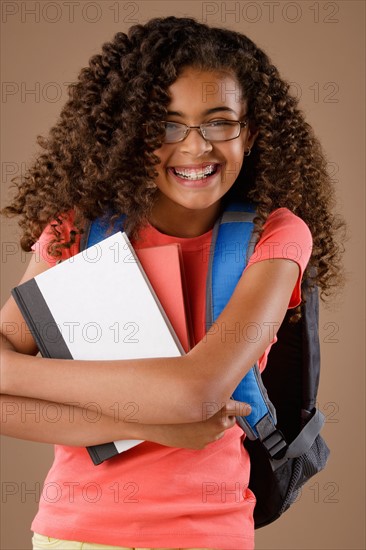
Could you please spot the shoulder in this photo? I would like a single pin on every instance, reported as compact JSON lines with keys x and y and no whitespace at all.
{"x":285,"y":236}
{"x":282,"y":220}
{"x":64,"y":227}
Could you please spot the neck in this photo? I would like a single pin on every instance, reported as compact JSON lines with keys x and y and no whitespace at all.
{"x":183,"y":222}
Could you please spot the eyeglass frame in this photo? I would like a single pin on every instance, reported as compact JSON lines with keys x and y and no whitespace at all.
{"x":242,"y":124}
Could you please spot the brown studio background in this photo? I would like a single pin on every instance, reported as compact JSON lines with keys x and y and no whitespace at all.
{"x":319,"y":47}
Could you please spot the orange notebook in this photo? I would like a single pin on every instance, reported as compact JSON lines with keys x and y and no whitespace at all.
{"x":164,"y":268}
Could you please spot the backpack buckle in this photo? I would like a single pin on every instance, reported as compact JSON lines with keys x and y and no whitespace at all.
{"x":275,"y":444}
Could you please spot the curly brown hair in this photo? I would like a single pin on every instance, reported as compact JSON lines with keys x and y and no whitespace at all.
{"x":86,"y":163}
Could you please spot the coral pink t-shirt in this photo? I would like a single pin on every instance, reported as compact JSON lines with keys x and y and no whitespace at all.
{"x":157,"y":496}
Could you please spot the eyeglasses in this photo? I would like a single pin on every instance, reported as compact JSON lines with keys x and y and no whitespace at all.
{"x":217,"y":130}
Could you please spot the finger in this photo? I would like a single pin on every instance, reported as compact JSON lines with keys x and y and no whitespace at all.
{"x":228,"y":422}
{"x":236,"y":408}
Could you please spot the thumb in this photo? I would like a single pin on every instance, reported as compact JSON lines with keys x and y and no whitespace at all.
{"x":237,"y":408}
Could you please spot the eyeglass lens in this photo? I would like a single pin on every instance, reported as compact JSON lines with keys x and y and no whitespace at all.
{"x":213,"y":131}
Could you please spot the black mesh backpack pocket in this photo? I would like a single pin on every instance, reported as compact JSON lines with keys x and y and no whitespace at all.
{"x":276,"y":489}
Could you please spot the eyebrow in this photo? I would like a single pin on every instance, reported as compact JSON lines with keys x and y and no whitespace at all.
{"x":207,"y":112}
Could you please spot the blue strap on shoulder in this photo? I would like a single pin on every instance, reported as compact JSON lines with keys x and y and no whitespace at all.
{"x":232,"y":246}
{"x":231,"y":242}
{"x":100,"y":228}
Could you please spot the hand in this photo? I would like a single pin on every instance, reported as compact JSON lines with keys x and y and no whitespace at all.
{"x":197,"y":435}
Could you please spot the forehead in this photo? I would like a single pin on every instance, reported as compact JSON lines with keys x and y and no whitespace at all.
{"x":201,"y":89}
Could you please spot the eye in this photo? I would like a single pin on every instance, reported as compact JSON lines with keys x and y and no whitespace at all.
{"x":219,"y":123}
{"x":171,"y":126}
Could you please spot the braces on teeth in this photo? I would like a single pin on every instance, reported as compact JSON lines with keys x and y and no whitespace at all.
{"x":194,"y":175}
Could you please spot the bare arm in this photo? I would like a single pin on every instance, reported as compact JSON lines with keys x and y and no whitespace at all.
{"x":173,"y":389}
{"x":45,"y":422}
{"x":61,"y":424}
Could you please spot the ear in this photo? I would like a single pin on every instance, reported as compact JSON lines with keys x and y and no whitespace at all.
{"x":251,"y":137}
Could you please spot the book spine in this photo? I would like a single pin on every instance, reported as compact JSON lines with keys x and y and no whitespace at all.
{"x":100,"y":453}
{"x":42,"y":325}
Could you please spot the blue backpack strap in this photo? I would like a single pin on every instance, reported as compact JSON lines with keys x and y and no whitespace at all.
{"x":233,"y":245}
{"x":99,"y":229}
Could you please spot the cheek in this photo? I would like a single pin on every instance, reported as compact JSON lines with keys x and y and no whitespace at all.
{"x":236,"y":154}
{"x":164,"y":157}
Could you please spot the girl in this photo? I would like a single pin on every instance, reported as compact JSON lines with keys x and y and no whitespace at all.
{"x":167,"y":125}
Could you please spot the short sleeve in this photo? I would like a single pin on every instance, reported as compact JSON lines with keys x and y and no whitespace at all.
{"x":40,"y":248}
{"x":285,"y":236}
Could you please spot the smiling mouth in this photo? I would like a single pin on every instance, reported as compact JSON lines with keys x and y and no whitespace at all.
{"x":194,"y":174}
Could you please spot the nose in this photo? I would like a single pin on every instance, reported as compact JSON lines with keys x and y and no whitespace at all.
{"x":195,"y":144}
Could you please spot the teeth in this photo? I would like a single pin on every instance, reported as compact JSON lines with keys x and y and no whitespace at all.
{"x":194,"y":174}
